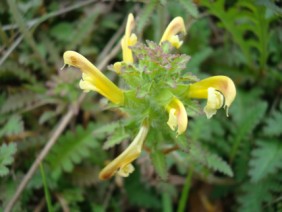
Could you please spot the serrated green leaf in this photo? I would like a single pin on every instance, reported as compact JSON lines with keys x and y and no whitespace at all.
{"x":6,"y":157}
{"x":254,"y":195}
{"x":18,"y":101}
{"x":247,"y":121}
{"x":116,"y":138}
{"x":17,"y":71}
{"x":107,"y":128}
{"x":266,"y":159}
{"x":14,"y":125}
{"x":159,"y":162}
{"x":211,"y":160}
{"x":251,"y":19}
{"x":273,"y":124}
{"x":71,"y":149}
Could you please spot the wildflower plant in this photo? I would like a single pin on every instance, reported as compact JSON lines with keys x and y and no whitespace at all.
{"x":156,"y":97}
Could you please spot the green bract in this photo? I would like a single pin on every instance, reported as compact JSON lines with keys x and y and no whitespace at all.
{"x":153,"y":80}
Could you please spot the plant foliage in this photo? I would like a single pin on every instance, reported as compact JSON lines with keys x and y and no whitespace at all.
{"x":6,"y":157}
{"x":232,"y":163}
{"x":71,"y":149}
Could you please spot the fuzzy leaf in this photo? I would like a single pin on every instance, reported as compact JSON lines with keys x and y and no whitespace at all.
{"x":266,"y":159}
{"x":6,"y":157}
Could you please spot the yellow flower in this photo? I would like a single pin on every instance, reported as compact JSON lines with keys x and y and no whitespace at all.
{"x":122,"y":164}
{"x":219,"y":91}
{"x":128,"y":40}
{"x":176,"y":26}
{"x":93,"y":79}
{"x":177,"y":116}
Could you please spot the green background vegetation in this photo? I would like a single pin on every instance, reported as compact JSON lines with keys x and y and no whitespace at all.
{"x":237,"y":163}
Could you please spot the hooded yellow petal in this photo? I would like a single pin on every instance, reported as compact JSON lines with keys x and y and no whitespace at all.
{"x":122,"y":164}
{"x":177,"y":116}
{"x":129,"y":39}
{"x":176,"y":26}
{"x":222,"y":84}
{"x":93,"y":79}
{"x":126,"y":170}
{"x":214,"y":102}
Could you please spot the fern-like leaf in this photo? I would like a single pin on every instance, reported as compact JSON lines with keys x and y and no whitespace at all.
{"x":17,"y":71}
{"x":252,"y":19}
{"x":266,"y":159}
{"x":19,"y":101}
{"x":71,"y":149}
{"x":6,"y":157}
{"x":14,"y":125}
{"x":254,"y":195}
{"x":246,"y":121}
{"x":210,"y":160}
{"x":274,"y":123}
{"x":118,"y":136}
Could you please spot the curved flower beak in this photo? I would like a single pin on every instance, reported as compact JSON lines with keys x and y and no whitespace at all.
{"x":219,"y":91}
{"x":176,"y":26}
{"x":177,"y":116}
{"x":129,"y":39}
{"x":122,"y":164}
{"x":93,"y":79}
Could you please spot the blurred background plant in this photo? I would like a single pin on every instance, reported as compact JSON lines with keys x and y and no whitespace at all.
{"x":236,"y":163}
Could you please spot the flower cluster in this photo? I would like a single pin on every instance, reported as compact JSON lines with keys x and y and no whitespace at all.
{"x":156,"y":90}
